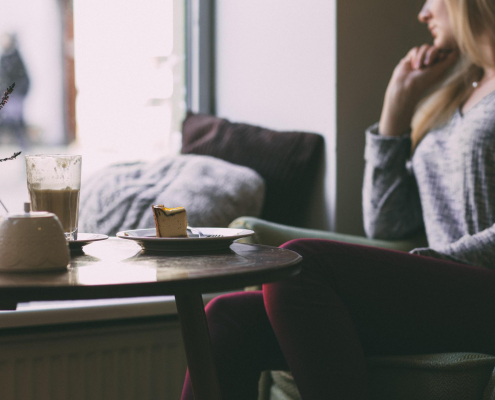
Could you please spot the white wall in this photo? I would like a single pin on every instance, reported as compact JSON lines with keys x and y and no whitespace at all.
{"x":319,"y":66}
{"x":275,"y":67}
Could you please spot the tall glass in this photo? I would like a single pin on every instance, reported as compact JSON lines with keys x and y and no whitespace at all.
{"x":54,"y":182}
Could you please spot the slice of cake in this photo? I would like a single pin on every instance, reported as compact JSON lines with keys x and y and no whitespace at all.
{"x":170,"y":222}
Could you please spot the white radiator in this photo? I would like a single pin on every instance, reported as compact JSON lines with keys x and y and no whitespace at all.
{"x":138,"y":361}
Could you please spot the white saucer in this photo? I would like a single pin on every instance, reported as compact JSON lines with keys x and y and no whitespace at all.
{"x":84,"y":239}
{"x":215,"y":239}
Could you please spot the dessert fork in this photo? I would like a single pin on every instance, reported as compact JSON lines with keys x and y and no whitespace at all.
{"x":196,"y":231}
{"x":201,"y":234}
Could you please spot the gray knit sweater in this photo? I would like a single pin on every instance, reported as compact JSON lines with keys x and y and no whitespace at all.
{"x":447,"y":188}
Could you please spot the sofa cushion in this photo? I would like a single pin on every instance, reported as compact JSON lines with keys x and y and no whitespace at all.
{"x":287,"y":161}
{"x":213,"y":191}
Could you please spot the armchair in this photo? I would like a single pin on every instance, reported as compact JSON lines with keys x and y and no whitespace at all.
{"x":449,"y":376}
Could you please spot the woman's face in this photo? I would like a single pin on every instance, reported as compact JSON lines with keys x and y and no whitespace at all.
{"x":434,"y":13}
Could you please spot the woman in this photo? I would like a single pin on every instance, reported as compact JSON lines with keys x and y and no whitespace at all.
{"x":353,"y":301}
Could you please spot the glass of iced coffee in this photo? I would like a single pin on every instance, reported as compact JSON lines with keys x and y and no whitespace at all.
{"x":54,"y":182}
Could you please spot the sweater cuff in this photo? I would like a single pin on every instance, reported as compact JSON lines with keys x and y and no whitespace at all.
{"x":429,"y":252}
{"x":386,"y":151}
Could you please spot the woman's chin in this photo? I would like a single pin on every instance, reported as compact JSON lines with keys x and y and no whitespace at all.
{"x":444,"y":45}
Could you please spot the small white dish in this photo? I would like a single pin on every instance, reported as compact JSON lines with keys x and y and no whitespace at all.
{"x":215,"y":239}
{"x":83,"y":239}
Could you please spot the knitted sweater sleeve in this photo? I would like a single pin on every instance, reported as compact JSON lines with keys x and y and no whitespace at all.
{"x":391,"y":203}
{"x":477,"y":249}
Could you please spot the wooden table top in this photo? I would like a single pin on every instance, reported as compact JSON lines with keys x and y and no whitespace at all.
{"x":117,"y":268}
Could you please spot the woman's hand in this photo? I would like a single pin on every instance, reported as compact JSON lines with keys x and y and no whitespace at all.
{"x":421,"y":68}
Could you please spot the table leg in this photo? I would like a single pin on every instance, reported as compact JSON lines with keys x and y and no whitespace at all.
{"x":196,"y":338}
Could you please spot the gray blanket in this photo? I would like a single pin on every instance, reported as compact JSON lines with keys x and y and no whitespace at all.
{"x":214,"y":192}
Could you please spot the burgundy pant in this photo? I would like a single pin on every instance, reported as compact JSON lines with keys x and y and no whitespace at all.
{"x":348,"y":302}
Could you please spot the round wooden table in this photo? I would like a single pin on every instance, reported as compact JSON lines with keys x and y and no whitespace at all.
{"x":117,"y":268}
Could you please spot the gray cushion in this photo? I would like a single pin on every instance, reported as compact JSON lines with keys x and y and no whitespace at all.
{"x":213,"y":191}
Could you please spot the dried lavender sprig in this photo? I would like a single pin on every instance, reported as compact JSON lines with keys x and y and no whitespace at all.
{"x":3,"y":205}
{"x":4,"y":101}
{"x":11,"y":157}
{"x":6,"y":95}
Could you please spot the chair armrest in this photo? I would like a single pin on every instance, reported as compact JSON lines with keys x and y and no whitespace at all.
{"x":272,"y":234}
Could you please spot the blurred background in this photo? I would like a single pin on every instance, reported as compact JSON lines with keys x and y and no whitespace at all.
{"x":107,"y":80}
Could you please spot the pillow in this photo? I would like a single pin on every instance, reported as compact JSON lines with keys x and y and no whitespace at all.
{"x":213,"y":191}
{"x":287,"y":161}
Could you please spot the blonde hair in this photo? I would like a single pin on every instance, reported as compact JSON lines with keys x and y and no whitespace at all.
{"x":469,"y":19}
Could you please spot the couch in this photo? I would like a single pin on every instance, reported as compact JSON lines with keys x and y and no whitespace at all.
{"x":450,"y":376}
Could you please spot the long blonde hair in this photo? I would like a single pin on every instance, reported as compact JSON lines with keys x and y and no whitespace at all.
{"x":470,"y":19}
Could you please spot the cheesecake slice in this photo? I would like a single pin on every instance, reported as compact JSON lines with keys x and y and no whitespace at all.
{"x":170,"y":222}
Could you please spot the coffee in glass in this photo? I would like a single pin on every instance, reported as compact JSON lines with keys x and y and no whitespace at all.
{"x":54,"y":182}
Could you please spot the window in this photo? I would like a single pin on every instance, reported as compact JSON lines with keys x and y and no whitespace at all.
{"x":129,"y":74}
{"x":105,"y":79}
